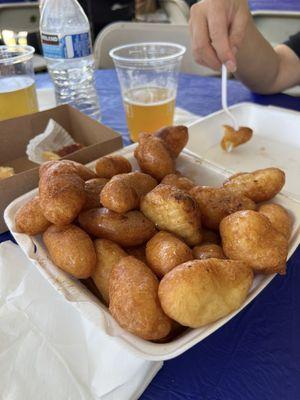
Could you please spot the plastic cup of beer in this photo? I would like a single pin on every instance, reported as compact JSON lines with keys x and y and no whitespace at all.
{"x":17,"y":86}
{"x":148,"y":76}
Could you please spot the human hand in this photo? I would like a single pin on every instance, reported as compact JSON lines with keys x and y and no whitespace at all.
{"x":217,"y":30}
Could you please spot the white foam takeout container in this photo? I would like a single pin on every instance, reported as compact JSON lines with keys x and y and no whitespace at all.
{"x":275,"y":141}
{"x":202,"y":172}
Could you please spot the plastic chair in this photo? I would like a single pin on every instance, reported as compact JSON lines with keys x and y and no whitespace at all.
{"x":178,"y":11}
{"x":121,"y":33}
{"x":20,"y":16}
{"x":277,"y":26}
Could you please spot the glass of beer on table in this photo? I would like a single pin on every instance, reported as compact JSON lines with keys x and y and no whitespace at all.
{"x":148,"y":76}
{"x":17,"y":86}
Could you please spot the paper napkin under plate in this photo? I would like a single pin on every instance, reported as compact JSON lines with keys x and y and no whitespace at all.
{"x":48,"y":351}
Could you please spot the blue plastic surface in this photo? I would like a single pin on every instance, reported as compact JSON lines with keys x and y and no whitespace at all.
{"x":256,"y":356}
{"x":281,"y":5}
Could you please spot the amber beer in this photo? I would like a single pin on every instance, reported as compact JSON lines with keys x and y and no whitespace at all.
{"x":148,"y":76}
{"x":17,"y":97}
{"x":148,"y":109}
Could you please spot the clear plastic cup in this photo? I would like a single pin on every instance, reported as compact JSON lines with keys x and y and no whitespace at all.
{"x":17,"y":85}
{"x":148,"y":76}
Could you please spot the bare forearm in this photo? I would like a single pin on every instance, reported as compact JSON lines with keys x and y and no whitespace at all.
{"x":258,"y":63}
{"x":223,"y":32}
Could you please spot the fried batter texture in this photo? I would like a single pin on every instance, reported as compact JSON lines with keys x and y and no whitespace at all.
{"x":216,"y":203}
{"x":249,"y":236}
{"x":200,"y":292}
{"x":108,"y":255}
{"x":164,"y":251}
{"x":61,"y":197}
{"x":129,"y":229}
{"x":174,"y":137}
{"x":179,"y":181}
{"x":124,"y":191}
{"x":279,"y":218}
{"x":30,"y":218}
{"x":210,"y":236}
{"x":208,"y":250}
{"x":153,"y":157}
{"x":93,"y":188}
{"x":156,"y":153}
{"x":133,"y":300}
{"x":109,"y":166}
{"x":67,"y":167}
{"x":71,"y":249}
{"x":175,"y":211}
{"x":232,"y":138}
{"x":260,"y":185}
{"x":138,"y":252}
{"x":61,"y":190}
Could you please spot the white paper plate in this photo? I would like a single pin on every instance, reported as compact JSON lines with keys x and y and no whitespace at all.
{"x":275,"y":141}
{"x":204,"y":173}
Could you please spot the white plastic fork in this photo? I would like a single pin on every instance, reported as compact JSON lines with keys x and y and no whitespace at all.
{"x":224,"y":99}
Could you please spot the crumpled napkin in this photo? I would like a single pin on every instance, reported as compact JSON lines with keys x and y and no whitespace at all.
{"x":53,"y":138}
{"x":48,"y":351}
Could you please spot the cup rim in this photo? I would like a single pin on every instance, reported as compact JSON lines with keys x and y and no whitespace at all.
{"x":181,"y":51}
{"x":29,"y":50}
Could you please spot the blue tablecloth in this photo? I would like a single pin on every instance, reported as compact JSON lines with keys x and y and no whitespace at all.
{"x":282,"y":5}
{"x":200,"y":95}
{"x":255,"y":356}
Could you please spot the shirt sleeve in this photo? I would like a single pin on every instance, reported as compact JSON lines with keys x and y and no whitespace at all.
{"x":294,"y":43}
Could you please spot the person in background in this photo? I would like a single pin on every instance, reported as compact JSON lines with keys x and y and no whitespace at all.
{"x":223,"y":32}
{"x":145,"y":7}
{"x":102,"y":13}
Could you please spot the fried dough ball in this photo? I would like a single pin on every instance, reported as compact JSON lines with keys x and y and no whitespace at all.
{"x":109,"y":166}
{"x":234,"y":138}
{"x":156,"y":153}
{"x":61,"y":190}
{"x":133,"y":300}
{"x":30,"y":219}
{"x":124,"y":191}
{"x":67,"y":167}
{"x":108,"y":255}
{"x":153,"y":157}
{"x":176,"y":330}
{"x":175,"y":211}
{"x":175,"y":138}
{"x":61,"y":197}
{"x":138,"y":252}
{"x":200,"y":292}
{"x":93,"y":188}
{"x":164,"y":251}
{"x":260,"y":185}
{"x":130,"y":229}
{"x":279,"y":218}
{"x":208,"y":250}
{"x":71,"y":249}
{"x":210,"y":237}
{"x":249,"y":236}
{"x":179,"y":181}
{"x":217,"y":203}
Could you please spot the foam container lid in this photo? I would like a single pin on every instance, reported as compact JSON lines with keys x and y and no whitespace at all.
{"x":275,"y":141}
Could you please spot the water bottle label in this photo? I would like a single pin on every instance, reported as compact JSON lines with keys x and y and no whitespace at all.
{"x":68,"y":46}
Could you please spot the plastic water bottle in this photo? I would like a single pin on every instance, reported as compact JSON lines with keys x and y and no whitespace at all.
{"x":67,"y":48}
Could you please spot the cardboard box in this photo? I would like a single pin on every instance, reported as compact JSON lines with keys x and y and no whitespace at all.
{"x":16,"y":133}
